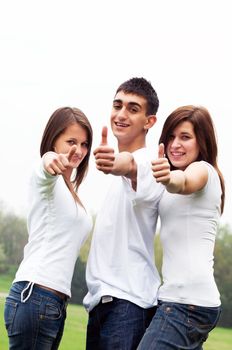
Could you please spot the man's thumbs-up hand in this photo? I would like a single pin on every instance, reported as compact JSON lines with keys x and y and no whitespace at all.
{"x":161,"y":167}
{"x":104,"y":134}
{"x":104,"y":155}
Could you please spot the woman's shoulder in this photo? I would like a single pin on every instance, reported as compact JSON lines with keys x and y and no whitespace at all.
{"x":213,"y":177}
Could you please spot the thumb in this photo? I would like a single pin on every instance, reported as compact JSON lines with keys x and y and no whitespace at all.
{"x":161,"y":151}
{"x":104,"y":141}
{"x":71,"y":152}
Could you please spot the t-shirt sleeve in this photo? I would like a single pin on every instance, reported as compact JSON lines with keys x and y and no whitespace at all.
{"x":41,"y":177}
{"x":148,"y":190}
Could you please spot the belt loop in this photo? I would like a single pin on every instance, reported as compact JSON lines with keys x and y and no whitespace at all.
{"x":106,"y":299}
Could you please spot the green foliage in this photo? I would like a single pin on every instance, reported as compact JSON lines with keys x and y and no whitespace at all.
{"x":223,"y":273}
{"x":85,"y":249}
{"x":3,"y":264}
{"x":79,"y":288}
{"x":158,"y":253}
{"x":13,"y":237}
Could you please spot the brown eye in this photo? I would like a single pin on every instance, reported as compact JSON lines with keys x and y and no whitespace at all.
{"x":134,"y":110}
{"x":117,"y":106}
{"x":71,"y":142}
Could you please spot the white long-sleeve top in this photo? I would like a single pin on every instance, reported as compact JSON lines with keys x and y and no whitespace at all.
{"x":188,"y":230}
{"x":57,"y":227}
{"x":121,"y":258}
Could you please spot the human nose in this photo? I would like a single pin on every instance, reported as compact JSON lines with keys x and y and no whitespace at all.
{"x":79,"y":150}
{"x":175,"y":143}
{"x":122,"y":113}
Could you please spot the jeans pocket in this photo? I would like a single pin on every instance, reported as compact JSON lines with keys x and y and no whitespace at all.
{"x":9,"y":313}
{"x":201,"y":321}
{"x":51,"y":311}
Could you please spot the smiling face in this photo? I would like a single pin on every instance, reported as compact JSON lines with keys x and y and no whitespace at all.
{"x":182,"y":148}
{"x":129,"y":121}
{"x":76,"y":135}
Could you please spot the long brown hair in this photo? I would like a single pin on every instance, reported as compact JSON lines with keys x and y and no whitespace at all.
{"x":56,"y":125}
{"x":205,"y":134}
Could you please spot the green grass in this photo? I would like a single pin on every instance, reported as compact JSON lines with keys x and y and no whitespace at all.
{"x":5,"y":282}
{"x":219,"y":339}
{"x":75,"y":332}
{"x":75,"y":328}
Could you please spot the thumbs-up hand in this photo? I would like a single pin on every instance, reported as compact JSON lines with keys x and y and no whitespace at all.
{"x":104,"y":155}
{"x":161,"y":151}
{"x":104,"y":134}
{"x":58,"y":163}
{"x":161,"y":167}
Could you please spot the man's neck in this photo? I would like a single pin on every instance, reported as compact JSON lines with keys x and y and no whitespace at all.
{"x":123,"y":147}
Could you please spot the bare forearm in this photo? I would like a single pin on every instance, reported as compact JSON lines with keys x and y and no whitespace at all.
{"x":177,"y":182}
{"x":125,"y":165}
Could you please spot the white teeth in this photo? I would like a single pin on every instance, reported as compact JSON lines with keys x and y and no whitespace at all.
{"x":177,"y":154}
{"x":121,"y":125}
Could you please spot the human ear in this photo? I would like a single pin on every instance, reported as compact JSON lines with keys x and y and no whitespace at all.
{"x":151,"y":120}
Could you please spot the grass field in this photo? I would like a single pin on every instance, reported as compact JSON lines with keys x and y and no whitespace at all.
{"x":75,"y":330}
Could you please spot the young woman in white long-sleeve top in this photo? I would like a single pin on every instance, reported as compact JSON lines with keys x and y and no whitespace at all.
{"x":58,"y":224}
{"x":190,"y":208}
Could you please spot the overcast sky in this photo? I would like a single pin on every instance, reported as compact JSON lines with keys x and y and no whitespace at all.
{"x":76,"y":53}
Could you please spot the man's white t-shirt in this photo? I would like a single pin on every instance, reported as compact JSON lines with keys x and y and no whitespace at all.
{"x":121,"y":257}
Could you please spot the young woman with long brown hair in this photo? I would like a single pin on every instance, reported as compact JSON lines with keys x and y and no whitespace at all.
{"x":190,"y":208}
{"x":58,"y":224}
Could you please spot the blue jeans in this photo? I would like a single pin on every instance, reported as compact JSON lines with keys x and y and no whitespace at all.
{"x":38,"y":322}
{"x":118,"y":325}
{"x":179,"y":326}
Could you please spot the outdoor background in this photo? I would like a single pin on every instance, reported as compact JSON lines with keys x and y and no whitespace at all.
{"x":69,"y":52}
{"x":75,"y":53}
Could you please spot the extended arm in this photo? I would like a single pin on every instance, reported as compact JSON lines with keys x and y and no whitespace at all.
{"x":187,"y":181}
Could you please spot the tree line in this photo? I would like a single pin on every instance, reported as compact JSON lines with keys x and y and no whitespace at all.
{"x":13,"y":237}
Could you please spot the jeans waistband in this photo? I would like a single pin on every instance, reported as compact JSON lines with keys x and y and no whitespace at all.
{"x":27,"y":289}
{"x":56,"y":292}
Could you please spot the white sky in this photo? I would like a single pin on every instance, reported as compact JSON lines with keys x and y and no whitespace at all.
{"x":57,"y":53}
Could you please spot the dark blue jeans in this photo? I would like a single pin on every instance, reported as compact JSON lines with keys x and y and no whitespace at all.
{"x":179,"y":326}
{"x":117,"y":325}
{"x":38,"y":322}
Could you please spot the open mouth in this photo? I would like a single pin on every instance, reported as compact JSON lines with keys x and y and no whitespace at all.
{"x":121,"y":125}
{"x":177,"y":154}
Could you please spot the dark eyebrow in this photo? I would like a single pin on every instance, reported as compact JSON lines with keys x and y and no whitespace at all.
{"x":131,"y":104}
{"x":134,"y":104}
{"x":186,"y":133}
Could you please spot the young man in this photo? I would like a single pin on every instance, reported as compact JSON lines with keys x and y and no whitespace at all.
{"x":121,"y":276}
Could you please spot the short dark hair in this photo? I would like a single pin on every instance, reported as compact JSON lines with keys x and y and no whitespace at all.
{"x":142,"y":87}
